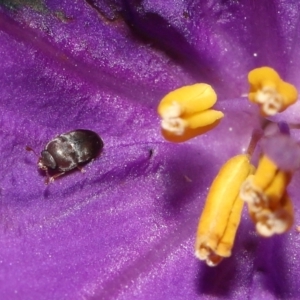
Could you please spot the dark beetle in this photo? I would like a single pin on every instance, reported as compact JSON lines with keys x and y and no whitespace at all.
{"x":69,"y":151}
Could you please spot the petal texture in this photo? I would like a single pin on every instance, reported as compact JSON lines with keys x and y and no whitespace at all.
{"x":125,"y":228}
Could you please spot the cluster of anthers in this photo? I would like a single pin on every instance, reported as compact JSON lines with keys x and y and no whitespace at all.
{"x":186,"y":113}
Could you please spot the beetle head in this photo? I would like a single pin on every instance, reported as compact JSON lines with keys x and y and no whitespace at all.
{"x":46,"y":161}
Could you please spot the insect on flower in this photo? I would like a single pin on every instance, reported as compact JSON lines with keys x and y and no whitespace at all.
{"x":69,"y":151}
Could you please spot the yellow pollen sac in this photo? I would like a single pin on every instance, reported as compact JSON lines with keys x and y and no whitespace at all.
{"x":186,"y":112}
{"x":270,"y":92}
{"x":222,"y":212}
{"x":274,"y":221}
{"x":268,"y":203}
{"x":266,"y":187}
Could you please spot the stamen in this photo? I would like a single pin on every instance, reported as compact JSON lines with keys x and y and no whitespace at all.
{"x":268,"y":203}
{"x":276,"y":221}
{"x":270,"y":92}
{"x":271,"y":101}
{"x":186,"y":112}
{"x":265,"y":172}
{"x":172,"y":121}
{"x":222,"y":212}
{"x":253,"y":195}
{"x":256,"y":136}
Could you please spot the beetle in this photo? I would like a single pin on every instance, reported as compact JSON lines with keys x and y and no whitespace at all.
{"x":69,"y":151}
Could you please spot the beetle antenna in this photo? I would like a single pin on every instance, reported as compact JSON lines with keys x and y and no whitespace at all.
{"x":27,"y":148}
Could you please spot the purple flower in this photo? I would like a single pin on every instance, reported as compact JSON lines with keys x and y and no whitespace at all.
{"x":125,"y":228}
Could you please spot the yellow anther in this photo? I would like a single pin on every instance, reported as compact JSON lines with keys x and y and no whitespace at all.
{"x":270,"y":92}
{"x":277,"y":189}
{"x":265,"y":172}
{"x":268,"y":203}
{"x":186,"y":112}
{"x":222,"y":212}
{"x":266,"y":187}
{"x":274,"y":221}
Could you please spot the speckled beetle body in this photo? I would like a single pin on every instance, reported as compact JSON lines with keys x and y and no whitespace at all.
{"x":69,"y":151}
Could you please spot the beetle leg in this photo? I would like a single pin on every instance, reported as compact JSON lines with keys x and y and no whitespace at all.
{"x":81,"y":169}
{"x":52,"y":178}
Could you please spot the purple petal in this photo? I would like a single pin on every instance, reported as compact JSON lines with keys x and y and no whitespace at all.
{"x":125,"y":229}
{"x":283,"y":150}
